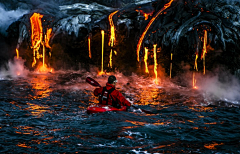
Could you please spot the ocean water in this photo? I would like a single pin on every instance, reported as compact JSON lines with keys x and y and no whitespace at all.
{"x":46,"y":113}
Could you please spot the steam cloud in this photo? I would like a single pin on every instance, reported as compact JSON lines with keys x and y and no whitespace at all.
{"x":223,"y":86}
{"x":14,"y":69}
{"x":8,"y":17}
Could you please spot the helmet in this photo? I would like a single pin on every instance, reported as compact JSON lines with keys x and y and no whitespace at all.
{"x":112,"y":79}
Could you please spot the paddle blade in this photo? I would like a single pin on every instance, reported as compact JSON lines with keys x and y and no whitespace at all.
{"x":146,"y":111}
{"x":92,"y":82}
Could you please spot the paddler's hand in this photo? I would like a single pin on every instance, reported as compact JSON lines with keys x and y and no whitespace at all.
{"x":130,"y":101}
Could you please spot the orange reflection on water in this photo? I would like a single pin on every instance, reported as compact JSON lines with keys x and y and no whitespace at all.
{"x":149,"y":94}
{"x":161,"y":123}
{"x":213,"y":145}
{"x":23,"y":145}
{"x":37,"y":110}
{"x":136,"y":122}
{"x":212,"y":123}
{"x":26,"y":130}
{"x":41,"y":85}
{"x":201,"y":109}
{"x":163,"y":146}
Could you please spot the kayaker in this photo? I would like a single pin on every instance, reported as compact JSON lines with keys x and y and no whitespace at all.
{"x":110,"y":96}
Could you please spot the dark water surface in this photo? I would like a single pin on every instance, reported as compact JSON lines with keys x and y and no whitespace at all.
{"x":47,"y":114}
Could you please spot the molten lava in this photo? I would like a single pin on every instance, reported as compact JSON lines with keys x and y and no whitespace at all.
{"x":145,"y":14}
{"x":37,"y":35}
{"x":204,"y":50}
{"x":47,"y":38}
{"x":102,"y":32}
{"x":17,"y":52}
{"x":89,"y":47}
{"x":195,"y":65}
{"x":155,"y":62}
{"x":110,"y":59}
{"x":112,"y":37}
{"x":145,"y":60}
{"x":171,"y":66}
{"x":149,"y":25}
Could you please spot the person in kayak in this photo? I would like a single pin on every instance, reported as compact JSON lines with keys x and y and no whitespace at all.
{"x":110,"y":96}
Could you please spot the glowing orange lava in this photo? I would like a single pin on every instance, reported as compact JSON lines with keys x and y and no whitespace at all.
{"x":171,"y":66}
{"x":47,"y":38}
{"x":195,"y":65}
{"x":145,"y":60}
{"x":89,"y":47}
{"x":149,"y":25}
{"x":145,"y":14}
{"x":102,"y":32}
{"x":204,"y":50}
{"x":37,"y":35}
{"x":17,"y":52}
{"x":110,"y":59}
{"x":155,"y":62}
{"x":112,"y":37}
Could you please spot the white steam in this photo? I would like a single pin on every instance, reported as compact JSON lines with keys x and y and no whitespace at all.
{"x":8,"y":17}
{"x":215,"y":88}
{"x":14,"y":69}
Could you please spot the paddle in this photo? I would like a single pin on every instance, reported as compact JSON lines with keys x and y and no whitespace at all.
{"x":94,"y":83}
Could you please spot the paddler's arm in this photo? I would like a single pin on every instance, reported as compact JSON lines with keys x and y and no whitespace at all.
{"x":97,"y":91}
{"x":123,"y":100}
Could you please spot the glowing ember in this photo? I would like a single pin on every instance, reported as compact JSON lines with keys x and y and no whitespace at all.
{"x":37,"y":34}
{"x":155,"y":61}
{"x":204,"y":50}
{"x":89,"y":47}
{"x":102,"y":32}
{"x":145,"y":60}
{"x":17,"y":52}
{"x":149,"y":25}
{"x":112,"y":37}
{"x":171,"y":66}
{"x":145,"y":14}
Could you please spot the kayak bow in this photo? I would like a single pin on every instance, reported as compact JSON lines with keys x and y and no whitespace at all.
{"x":99,"y":108}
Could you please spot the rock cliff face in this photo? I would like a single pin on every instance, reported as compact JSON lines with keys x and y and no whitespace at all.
{"x":178,"y":29}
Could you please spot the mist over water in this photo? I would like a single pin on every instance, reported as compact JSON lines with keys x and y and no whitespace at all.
{"x":216,"y":88}
{"x":15,"y":68}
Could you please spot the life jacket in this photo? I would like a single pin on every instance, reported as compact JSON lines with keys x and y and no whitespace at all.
{"x":106,"y":99}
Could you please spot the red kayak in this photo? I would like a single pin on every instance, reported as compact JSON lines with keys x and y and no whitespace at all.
{"x":98,"y":108}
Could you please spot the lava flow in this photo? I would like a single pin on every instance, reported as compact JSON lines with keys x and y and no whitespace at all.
{"x":171,"y":66}
{"x":149,"y":25}
{"x":17,"y":52}
{"x":37,"y":41}
{"x":102,"y":32}
{"x":145,"y":60}
{"x":155,"y":62}
{"x":37,"y":35}
{"x":89,"y":47}
{"x":204,"y":51}
{"x":112,"y":39}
